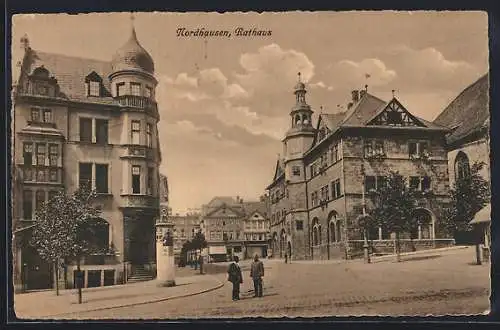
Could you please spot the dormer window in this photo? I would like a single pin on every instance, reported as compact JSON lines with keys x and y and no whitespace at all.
{"x":94,"y":88}
{"x":41,"y":115}
{"x":93,"y":83}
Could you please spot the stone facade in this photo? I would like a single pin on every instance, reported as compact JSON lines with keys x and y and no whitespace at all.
{"x":87,"y":122}
{"x":318,"y":192}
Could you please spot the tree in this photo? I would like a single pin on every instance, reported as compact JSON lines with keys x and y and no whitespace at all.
{"x":469,"y":195}
{"x":199,"y":242}
{"x":394,"y":206}
{"x":63,"y":229}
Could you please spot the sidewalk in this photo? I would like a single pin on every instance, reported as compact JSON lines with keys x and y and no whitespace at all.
{"x":45,"y":304}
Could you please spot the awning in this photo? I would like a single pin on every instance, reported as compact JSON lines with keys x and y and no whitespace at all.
{"x":217,"y":249}
{"x":484,"y":215}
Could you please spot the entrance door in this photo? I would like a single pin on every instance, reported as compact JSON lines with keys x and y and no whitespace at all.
{"x":36,"y":273}
{"x":141,"y":241}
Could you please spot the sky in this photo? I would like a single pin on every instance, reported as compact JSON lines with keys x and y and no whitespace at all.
{"x":224,"y":102}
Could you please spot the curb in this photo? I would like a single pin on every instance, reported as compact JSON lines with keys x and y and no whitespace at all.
{"x":218,"y":286}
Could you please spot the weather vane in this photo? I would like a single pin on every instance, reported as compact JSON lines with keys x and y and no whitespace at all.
{"x":299,"y":75}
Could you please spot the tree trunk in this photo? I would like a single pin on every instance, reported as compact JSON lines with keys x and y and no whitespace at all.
{"x":78,"y":282}
{"x":56,"y":277}
{"x":398,"y":247}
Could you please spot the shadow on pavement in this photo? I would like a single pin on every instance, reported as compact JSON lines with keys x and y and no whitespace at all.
{"x":421,"y":258}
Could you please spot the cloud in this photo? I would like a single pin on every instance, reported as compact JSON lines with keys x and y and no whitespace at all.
{"x":428,"y":69}
{"x":349,"y":74}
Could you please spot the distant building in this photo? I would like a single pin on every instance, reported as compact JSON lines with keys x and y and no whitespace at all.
{"x":234,"y":227}
{"x":318,"y":189}
{"x":185,"y":228}
{"x":79,"y":121}
{"x":468,"y":118}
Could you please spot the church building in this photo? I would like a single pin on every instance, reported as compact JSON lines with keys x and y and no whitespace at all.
{"x":317,"y":194}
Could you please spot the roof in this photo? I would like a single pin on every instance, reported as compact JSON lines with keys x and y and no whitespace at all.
{"x":367,"y":107}
{"x":220,"y":200}
{"x":484,"y":215}
{"x":258,"y":206}
{"x":332,"y":120}
{"x":70,"y":73}
{"x":468,"y":113}
{"x":132,"y":56}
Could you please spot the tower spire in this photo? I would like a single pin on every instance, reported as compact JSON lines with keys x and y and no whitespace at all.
{"x":132,"y":25}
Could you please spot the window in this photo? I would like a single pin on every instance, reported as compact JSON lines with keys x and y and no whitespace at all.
{"x":101,"y":126}
{"x":40,"y":175}
{"x":415,"y":182}
{"x":149,"y":135}
{"x":120,"y":89}
{"x":313,"y":170}
{"x":296,"y":170}
{"x":85,"y":175}
{"x":85,"y":130}
{"x":136,"y":179}
{"x":418,"y":149}
{"x":35,"y":115}
{"x":373,"y":148}
{"x":324,"y":193}
{"x":336,"y":192}
{"x":53,"y":175}
{"x":28,"y":204}
{"x":334,"y":155}
{"x":148,"y":92}
{"x":462,"y":167}
{"x":28,"y":153}
{"x":150,"y":180}
{"x":47,"y":115}
{"x":136,"y":131}
{"x":53,"y":154}
{"x":40,"y":198}
{"x":40,"y":154}
{"x":94,"y":88}
{"x":135,"y":89}
{"x":101,"y":178}
{"x":426,"y":183}
{"x":374,"y":182}
{"x":299,"y":225}
{"x":314,"y":198}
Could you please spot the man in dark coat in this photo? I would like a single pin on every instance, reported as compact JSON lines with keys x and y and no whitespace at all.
{"x":235,"y":277}
{"x":256,"y":273}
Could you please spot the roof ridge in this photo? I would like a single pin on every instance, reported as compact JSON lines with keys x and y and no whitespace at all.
{"x":71,"y":56}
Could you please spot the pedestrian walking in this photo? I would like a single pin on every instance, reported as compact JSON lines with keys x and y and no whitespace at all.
{"x":256,"y":273}
{"x":235,"y":277}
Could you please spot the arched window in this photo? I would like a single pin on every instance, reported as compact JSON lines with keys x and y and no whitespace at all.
{"x":332,"y":231}
{"x":338,"y":232}
{"x":316,"y":232}
{"x":462,"y":167}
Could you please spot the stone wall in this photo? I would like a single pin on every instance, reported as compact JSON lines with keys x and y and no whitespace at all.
{"x":387,"y":246}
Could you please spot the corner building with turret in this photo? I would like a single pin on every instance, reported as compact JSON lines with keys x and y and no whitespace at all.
{"x":323,"y":179}
{"x":84,"y":122}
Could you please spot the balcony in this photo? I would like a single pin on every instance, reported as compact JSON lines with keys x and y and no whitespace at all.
{"x":41,"y":174}
{"x":139,"y":151}
{"x":138,"y":102}
{"x":140,"y":201}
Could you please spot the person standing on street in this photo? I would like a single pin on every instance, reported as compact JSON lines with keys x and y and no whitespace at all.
{"x":235,"y":277}
{"x":256,"y":273}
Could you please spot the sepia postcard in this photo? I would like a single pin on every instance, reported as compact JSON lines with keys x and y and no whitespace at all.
{"x":238,"y":165}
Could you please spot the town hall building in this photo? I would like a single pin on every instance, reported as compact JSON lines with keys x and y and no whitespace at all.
{"x":318,"y":192}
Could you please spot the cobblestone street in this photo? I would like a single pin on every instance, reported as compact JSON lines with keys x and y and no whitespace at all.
{"x":438,"y":283}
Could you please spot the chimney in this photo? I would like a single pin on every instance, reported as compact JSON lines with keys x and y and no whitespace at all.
{"x":355,"y":96}
{"x":349,"y":105}
{"x":237,"y":199}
